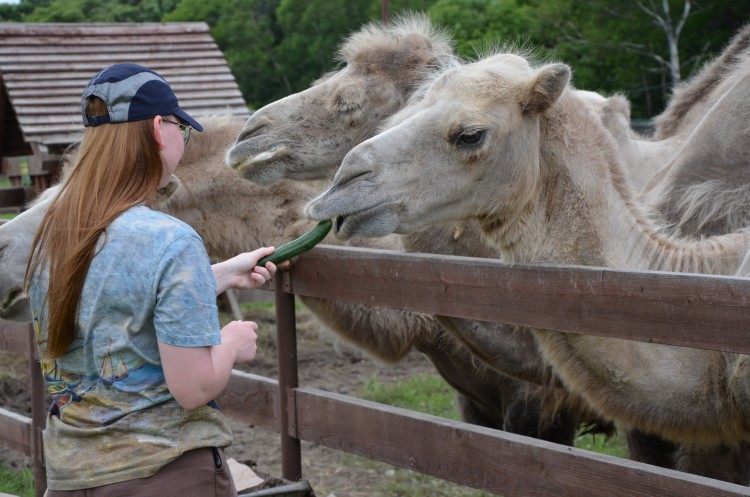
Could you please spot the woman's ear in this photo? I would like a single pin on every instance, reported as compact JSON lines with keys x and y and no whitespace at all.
{"x":157,"y":133}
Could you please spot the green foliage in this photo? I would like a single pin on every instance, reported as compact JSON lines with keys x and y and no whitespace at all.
{"x":16,"y":482}
{"x":311,"y":34}
{"x":479,"y":26}
{"x":429,"y":394}
{"x":615,"y":46}
{"x":278,"y":47}
{"x":100,"y":11}
{"x":614,"y":446}
{"x":245,"y":31}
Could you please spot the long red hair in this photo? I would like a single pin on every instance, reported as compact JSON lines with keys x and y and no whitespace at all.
{"x":118,"y":166}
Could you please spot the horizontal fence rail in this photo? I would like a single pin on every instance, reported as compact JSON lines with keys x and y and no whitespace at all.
{"x":690,"y":310}
{"x":699,"y":311}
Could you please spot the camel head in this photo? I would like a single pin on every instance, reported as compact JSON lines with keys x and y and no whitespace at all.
{"x":306,"y":135}
{"x":468,"y":148}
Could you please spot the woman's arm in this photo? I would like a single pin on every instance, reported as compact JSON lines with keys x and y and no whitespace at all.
{"x":197,"y":375}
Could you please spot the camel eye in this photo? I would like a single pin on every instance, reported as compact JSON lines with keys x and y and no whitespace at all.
{"x":471,"y":138}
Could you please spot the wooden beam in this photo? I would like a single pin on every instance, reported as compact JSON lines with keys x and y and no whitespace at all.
{"x":15,"y":431}
{"x":496,"y":461}
{"x":13,"y":197}
{"x":251,"y":399}
{"x":691,"y":310}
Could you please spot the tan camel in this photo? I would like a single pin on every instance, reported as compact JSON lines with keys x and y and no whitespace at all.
{"x":233,"y":216}
{"x":306,"y":135}
{"x":515,"y":148}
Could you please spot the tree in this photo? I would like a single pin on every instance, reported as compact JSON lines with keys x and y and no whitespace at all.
{"x":97,"y":10}
{"x":641,"y":48}
{"x":246,"y":32}
{"x":312,"y":33}
{"x":479,"y":26}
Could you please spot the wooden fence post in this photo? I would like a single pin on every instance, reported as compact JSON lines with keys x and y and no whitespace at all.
{"x":291,"y":455}
{"x":38,"y":416}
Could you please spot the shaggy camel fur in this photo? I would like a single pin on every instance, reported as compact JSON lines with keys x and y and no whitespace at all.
{"x":257,"y":216}
{"x":305,"y":136}
{"x":517,"y":149}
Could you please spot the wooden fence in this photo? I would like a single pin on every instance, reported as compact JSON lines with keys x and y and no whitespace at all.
{"x":15,"y":196}
{"x":680,"y":309}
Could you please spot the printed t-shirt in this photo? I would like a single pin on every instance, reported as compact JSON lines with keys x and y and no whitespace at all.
{"x":113,"y":418}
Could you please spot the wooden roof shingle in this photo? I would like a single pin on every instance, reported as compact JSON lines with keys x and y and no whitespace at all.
{"x":44,"y":68}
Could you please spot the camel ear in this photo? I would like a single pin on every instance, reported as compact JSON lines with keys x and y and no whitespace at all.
{"x":546,"y":88}
{"x":414,"y":53}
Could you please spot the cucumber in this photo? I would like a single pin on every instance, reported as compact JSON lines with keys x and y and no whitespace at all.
{"x":299,"y":245}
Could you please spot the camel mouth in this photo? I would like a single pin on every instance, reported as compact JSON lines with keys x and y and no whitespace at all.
{"x":372,"y":222}
{"x":338,"y":224}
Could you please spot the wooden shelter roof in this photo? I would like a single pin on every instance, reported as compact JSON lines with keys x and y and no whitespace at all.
{"x":44,"y":68}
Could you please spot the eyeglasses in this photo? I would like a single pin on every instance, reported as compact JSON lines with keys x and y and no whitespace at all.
{"x":184,"y":129}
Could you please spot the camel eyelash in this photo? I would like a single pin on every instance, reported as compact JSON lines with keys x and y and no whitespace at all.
{"x":468,"y":138}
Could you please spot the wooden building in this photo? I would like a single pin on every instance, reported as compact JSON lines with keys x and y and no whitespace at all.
{"x":44,"y":68}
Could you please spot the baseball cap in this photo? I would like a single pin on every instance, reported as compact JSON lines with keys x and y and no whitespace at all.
{"x":132,"y":93}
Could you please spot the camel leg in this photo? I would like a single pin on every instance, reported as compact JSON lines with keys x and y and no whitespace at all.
{"x":511,"y":350}
{"x":476,"y":414}
{"x":722,"y":462}
{"x":651,"y":449}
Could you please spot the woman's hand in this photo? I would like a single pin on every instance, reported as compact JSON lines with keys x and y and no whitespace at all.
{"x":242,"y":271}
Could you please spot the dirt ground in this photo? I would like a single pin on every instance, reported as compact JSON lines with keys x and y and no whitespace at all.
{"x":324,"y":362}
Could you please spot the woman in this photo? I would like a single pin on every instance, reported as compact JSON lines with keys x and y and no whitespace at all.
{"x":124,"y":303}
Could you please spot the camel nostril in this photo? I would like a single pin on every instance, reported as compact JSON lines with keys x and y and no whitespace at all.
{"x":11,"y":297}
{"x":352,"y":178}
{"x":249,"y":132}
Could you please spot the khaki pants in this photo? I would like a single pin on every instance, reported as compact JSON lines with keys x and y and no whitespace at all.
{"x":194,"y":474}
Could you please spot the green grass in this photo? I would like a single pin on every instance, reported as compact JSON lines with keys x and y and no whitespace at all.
{"x":16,"y":482}
{"x":7,"y":216}
{"x":615,"y":446}
{"x":430,"y":394}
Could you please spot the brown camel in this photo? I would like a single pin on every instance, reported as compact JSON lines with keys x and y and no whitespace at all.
{"x":515,"y":148}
